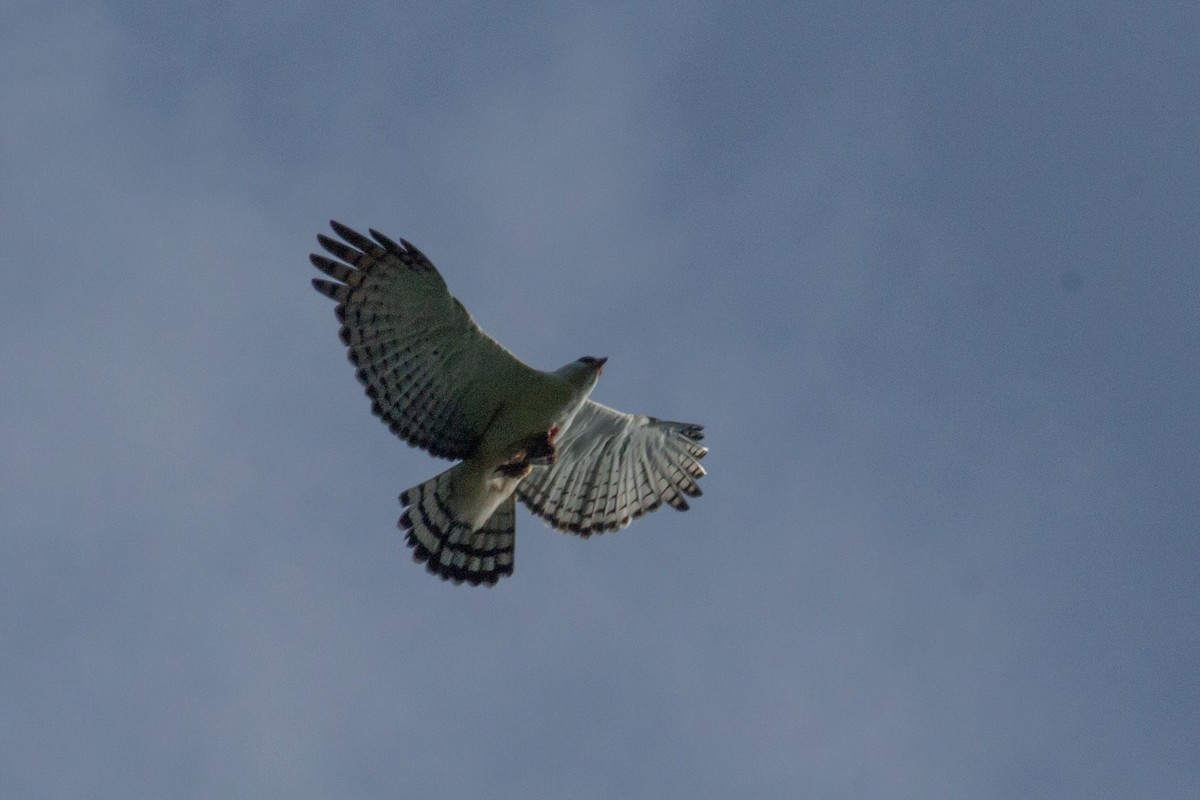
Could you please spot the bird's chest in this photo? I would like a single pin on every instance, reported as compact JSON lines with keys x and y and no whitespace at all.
{"x":529,"y":416}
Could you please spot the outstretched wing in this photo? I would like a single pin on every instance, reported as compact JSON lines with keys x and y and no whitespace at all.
{"x":612,"y":468}
{"x":432,"y":375}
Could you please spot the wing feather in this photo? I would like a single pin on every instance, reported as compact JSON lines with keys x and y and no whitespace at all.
{"x":433,"y":377}
{"x":612,"y":468}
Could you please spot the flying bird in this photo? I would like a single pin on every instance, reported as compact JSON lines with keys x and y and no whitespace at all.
{"x":441,"y":384}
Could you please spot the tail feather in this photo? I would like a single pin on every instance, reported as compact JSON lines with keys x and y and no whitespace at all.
{"x":446,"y":543}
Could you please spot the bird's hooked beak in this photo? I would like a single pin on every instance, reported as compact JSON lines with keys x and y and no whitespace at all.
{"x":600,"y":364}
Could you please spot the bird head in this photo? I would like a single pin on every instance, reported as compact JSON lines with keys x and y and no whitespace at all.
{"x":583,"y":372}
{"x":594,"y":363}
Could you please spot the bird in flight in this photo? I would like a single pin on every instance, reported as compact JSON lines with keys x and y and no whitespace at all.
{"x":440,"y":383}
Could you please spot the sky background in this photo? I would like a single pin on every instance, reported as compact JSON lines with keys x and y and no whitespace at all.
{"x":927,"y":272}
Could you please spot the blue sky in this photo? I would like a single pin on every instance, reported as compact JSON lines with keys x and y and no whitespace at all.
{"x":928,"y":276}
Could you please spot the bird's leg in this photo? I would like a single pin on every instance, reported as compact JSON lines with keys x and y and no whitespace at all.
{"x":540,"y":450}
{"x":517,"y":468}
{"x":543,"y":449}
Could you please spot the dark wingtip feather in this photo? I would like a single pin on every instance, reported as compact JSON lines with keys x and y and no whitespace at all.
{"x":387,"y":243}
{"x":413,"y":250}
{"x":352,"y":236}
{"x":342,"y":230}
{"x":330,"y":290}
{"x":334,"y":269}
{"x":339,"y":249}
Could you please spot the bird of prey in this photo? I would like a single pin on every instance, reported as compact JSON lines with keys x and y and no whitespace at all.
{"x":440,"y":383}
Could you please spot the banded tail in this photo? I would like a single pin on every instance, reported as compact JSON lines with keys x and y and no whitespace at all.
{"x":438,"y":524}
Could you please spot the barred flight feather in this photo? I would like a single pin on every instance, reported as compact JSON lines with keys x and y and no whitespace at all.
{"x":612,"y":468}
{"x":415,"y":348}
{"x":447,"y":545}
